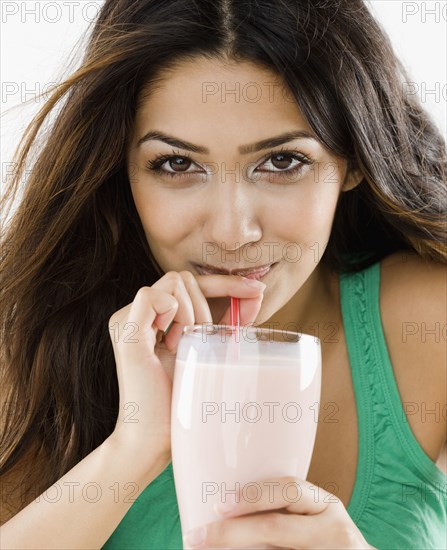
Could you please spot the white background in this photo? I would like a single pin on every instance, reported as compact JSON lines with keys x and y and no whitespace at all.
{"x":37,"y":39}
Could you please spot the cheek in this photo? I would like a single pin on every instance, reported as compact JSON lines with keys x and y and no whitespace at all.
{"x":307,"y":214}
{"x":321,"y":212}
{"x":165,"y":221}
{"x":304,"y":225}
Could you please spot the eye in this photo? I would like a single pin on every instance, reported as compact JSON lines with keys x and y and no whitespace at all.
{"x":178,"y":164}
{"x":284,"y":164}
{"x":172,"y":165}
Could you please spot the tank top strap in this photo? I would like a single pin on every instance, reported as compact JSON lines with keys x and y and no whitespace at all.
{"x":381,"y":416}
{"x":356,"y":297}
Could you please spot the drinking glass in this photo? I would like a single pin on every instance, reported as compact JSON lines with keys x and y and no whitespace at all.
{"x":245,"y":407}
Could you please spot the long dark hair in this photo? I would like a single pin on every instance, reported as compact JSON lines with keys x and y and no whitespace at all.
{"x":74,"y":251}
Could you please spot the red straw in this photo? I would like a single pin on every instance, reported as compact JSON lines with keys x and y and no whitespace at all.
{"x":234,"y":312}
{"x":235,"y":321}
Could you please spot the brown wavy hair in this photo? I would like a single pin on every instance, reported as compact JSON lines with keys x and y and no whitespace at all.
{"x":74,"y":251}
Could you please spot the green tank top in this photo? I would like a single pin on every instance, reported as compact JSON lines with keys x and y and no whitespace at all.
{"x":399,"y":498}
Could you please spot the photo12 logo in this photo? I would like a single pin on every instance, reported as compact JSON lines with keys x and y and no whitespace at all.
{"x":253,"y":412}
{"x":424,"y":492}
{"x":25,"y":91}
{"x":250,"y":92}
{"x":424,"y":11}
{"x":291,"y":252}
{"x":253,"y":491}
{"x":435,"y":91}
{"x":49,"y":12}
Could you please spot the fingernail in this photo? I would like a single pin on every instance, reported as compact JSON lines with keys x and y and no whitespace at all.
{"x":196,"y":537}
{"x":228,"y":506}
{"x":169,"y":326}
{"x":255,"y":284}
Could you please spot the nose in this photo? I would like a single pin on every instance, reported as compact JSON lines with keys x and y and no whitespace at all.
{"x":232,"y":217}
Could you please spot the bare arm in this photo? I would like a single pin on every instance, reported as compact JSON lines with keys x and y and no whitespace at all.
{"x":83,"y":508}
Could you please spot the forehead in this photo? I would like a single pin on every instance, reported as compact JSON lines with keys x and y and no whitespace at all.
{"x":210,"y":95}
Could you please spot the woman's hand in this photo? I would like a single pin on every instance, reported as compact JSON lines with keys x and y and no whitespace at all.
{"x":283,"y":512}
{"x":145,"y":357}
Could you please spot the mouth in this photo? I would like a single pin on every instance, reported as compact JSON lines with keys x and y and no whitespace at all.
{"x":250,"y":273}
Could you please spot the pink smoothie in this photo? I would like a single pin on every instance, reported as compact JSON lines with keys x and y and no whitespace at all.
{"x":239,"y":422}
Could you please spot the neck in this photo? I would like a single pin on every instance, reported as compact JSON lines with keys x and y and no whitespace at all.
{"x":314,"y":309}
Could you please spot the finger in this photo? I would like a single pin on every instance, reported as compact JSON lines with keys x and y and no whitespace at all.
{"x":232,"y":533}
{"x":200,"y":307}
{"x":330,"y":529}
{"x":215,"y":286}
{"x":251,"y":294}
{"x":275,"y":529}
{"x":211,"y":286}
{"x":174,"y":283}
{"x":202,"y":312}
{"x":191,"y":292}
{"x":296,"y":495}
{"x":140,"y":315}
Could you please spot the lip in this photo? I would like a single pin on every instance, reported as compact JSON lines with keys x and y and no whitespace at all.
{"x":254,"y":273}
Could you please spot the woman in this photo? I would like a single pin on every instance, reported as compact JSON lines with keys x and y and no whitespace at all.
{"x":195,"y":137}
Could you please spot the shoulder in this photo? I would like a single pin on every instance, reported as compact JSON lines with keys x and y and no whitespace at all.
{"x":404,"y":271}
{"x":413,"y":298}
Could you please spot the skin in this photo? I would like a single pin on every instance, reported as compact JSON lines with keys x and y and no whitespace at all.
{"x":239,"y":213}
{"x":234,"y":213}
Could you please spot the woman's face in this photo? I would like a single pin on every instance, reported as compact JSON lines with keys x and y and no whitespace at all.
{"x":225,"y":196}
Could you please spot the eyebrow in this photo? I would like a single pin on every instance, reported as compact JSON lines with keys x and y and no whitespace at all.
{"x":243,"y":149}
